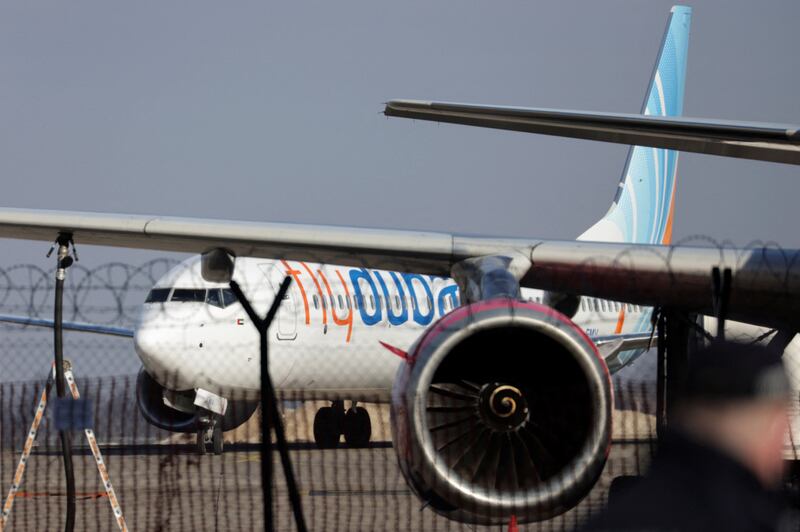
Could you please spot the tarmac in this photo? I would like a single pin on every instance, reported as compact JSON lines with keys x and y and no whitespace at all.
{"x":170,"y":487}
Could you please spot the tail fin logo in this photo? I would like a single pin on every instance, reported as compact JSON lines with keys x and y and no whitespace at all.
{"x":643,"y":209}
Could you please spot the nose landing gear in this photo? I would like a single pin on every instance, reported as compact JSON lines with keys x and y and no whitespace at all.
{"x":331,"y":422}
{"x":210,"y":430}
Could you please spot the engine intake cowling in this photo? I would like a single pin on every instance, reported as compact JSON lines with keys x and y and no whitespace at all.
{"x":504,"y":408}
{"x":150,"y":399}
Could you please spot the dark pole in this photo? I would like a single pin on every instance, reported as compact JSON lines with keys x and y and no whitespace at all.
{"x":291,"y":483}
{"x":270,"y":415}
{"x":720,"y":293}
{"x":266,"y":441}
{"x":677,"y":363}
{"x":661,"y":377}
{"x":64,"y":262}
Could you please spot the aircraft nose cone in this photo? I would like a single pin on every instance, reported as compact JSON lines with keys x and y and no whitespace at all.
{"x":146,"y":344}
{"x":158,"y":347}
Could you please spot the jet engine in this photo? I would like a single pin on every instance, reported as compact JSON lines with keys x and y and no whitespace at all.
{"x":504,"y":408}
{"x":175,"y":411}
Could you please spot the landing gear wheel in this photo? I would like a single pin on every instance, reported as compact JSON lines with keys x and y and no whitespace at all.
{"x":201,"y":441}
{"x":357,"y":427}
{"x":216,"y":437}
{"x":326,"y":428}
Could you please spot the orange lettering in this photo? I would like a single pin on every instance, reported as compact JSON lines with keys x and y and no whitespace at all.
{"x":338,"y":321}
{"x":296,"y":276}
{"x":319,"y":291}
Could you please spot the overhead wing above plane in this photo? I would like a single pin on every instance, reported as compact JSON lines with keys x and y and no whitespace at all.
{"x":765,"y":288}
{"x":749,"y":140}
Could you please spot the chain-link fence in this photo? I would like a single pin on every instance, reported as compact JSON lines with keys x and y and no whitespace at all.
{"x":166,"y":477}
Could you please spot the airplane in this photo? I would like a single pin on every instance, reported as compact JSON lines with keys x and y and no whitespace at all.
{"x":484,"y":347}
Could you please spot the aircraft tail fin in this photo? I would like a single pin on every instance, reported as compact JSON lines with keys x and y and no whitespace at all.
{"x":642,"y":210}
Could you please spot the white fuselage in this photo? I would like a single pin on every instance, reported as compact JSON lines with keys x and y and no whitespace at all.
{"x":340,"y":332}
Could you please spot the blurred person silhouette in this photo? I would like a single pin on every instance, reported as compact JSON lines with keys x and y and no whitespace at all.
{"x":720,"y":463}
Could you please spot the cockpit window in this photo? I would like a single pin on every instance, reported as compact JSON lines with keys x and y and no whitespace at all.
{"x":228,"y":297}
{"x":188,"y":295}
{"x":157,"y":295}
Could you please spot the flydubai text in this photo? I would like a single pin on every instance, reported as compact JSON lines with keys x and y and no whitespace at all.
{"x":377,"y":296}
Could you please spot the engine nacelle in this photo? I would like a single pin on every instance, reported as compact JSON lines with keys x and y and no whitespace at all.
{"x":150,"y":399}
{"x":504,"y":408}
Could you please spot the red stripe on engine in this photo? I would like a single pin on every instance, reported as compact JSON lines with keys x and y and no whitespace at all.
{"x":396,"y":351}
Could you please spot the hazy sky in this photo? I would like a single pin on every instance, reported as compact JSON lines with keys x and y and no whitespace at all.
{"x":271,"y":111}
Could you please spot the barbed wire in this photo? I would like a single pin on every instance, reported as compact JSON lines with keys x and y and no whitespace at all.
{"x":112,"y":293}
{"x":106,"y":294}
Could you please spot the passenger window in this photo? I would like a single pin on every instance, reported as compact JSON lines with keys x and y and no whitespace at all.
{"x":341,"y":304}
{"x":188,"y":295}
{"x":157,"y":295}
{"x":397,"y":303}
{"x":372,"y":302}
{"x":355,"y":301}
{"x":214,"y":297}
{"x":315,"y":299}
{"x":228,"y":297}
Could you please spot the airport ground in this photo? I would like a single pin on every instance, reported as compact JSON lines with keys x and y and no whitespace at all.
{"x":163,"y":484}
{"x":169,"y":487}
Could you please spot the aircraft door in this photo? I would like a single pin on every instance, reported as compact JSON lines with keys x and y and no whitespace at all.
{"x":287,"y":313}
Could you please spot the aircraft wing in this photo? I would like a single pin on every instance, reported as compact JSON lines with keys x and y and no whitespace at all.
{"x":765,"y":288}
{"x":748,"y":140}
{"x":68,"y":325}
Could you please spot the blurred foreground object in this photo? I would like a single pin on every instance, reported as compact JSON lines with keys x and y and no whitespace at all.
{"x":720,"y":465}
